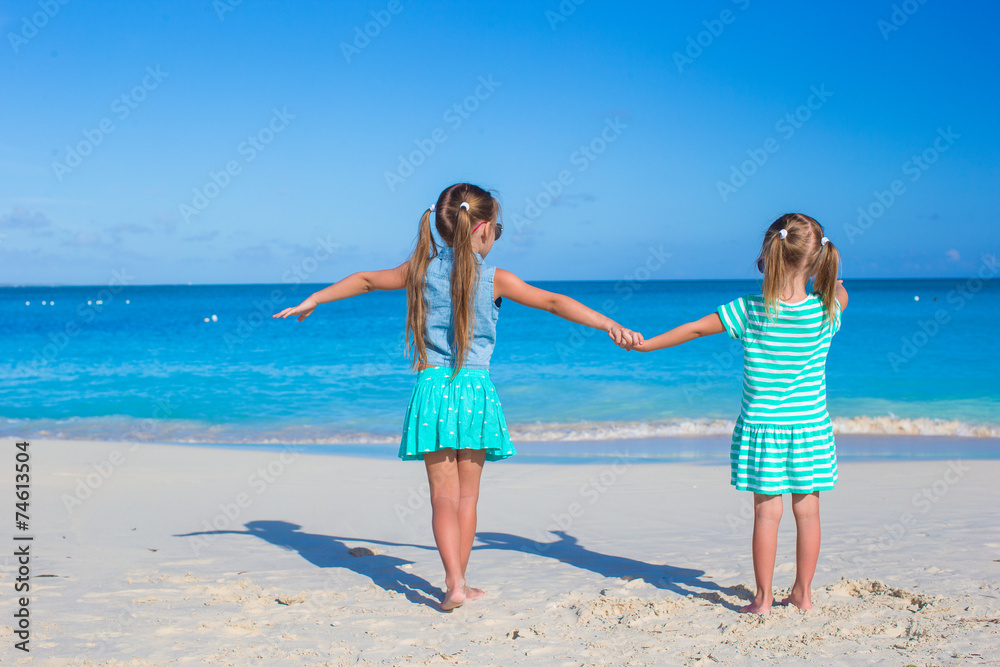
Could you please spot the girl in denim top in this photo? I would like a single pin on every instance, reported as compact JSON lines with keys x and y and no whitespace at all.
{"x":454,"y":422}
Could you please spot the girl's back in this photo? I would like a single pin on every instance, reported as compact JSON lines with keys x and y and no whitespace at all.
{"x":784,"y":368}
{"x":439,"y":330}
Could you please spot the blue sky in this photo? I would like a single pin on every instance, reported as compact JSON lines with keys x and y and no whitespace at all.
{"x":669,"y":128}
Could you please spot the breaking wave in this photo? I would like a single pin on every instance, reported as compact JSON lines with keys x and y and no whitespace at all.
{"x":129,"y":429}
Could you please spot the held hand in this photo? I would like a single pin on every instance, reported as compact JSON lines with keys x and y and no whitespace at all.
{"x":616,"y":334}
{"x":303,"y":310}
{"x":637,"y":341}
{"x":624,"y":338}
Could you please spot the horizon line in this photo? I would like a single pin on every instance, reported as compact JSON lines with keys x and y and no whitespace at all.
{"x":589,"y":280}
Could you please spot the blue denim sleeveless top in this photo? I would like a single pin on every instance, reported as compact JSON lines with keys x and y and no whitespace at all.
{"x":437,"y":296}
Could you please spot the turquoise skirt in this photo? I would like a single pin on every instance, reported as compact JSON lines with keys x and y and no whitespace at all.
{"x":459,"y":413}
{"x":791,"y":458}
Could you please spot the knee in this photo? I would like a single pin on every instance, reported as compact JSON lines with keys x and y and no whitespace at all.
{"x":469,"y":497}
{"x":445,"y":496}
{"x":770,"y":510}
{"x":805,"y":511}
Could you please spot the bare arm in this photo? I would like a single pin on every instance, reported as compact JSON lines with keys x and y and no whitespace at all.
{"x":841,"y":295}
{"x":509,"y":286}
{"x":353,"y":285}
{"x":706,"y":326}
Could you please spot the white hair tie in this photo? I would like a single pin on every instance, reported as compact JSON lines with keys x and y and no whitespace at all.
{"x":784,"y":233}
{"x":465,"y":205}
{"x":823,"y":241}
{"x":432,"y":208}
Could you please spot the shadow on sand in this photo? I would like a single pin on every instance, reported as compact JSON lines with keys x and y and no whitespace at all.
{"x":567,"y":549}
{"x":386,"y":571}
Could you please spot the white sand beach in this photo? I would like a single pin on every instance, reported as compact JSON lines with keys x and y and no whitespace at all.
{"x":328,"y":560}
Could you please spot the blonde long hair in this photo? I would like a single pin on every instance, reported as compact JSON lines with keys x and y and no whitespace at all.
{"x":454,"y":224}
{"x":800,"y":250}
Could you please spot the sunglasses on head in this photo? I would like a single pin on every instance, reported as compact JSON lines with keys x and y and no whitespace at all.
{"x":497,"y":231}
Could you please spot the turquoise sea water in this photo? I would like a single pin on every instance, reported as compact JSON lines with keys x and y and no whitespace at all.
{"x":145,"y":364}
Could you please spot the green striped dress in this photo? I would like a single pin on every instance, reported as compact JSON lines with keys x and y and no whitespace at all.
{"x":783,"y":441}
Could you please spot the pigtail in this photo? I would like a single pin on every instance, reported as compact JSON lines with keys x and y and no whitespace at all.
{"x":773,"y":253}
{"x":416,"y":308}
{"x":825,"y":284}
{"x":464,"y":282}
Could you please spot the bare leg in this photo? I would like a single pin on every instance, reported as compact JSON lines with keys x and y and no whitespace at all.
{"x":442,"y":475}
{"x":766,"y":518}
{"x":470,"y":470}
{"x":805,"y":507}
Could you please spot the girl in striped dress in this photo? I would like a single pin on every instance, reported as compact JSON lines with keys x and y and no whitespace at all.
{"x":783,"y":441}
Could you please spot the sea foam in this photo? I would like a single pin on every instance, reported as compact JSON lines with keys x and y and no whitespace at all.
{"x":124,"y":429}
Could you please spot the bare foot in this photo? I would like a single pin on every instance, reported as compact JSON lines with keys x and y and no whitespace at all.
{"x":473,"y":593}
{"x":803,"y":603}
{"x":454,"y":598}
{"x":756,"y":608}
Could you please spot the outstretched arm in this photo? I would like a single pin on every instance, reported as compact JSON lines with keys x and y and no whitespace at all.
{"x":706,"y":326}
{"x":353,"y":285}
{"x":841,"y":295}
{"x":509,"y":286}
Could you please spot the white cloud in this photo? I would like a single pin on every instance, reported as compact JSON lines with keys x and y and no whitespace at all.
{"x":204,"y":236}
{"x":20,"y":218}
{"x":130,"y":228}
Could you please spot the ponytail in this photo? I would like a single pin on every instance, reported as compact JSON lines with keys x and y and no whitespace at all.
{"x":825,"y":284}
{"x":464,"y":282}
{"x":416,"y":308}
{"x":773,"y":253}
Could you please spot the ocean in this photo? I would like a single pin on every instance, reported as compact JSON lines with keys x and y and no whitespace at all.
{"x":207,"y":364}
